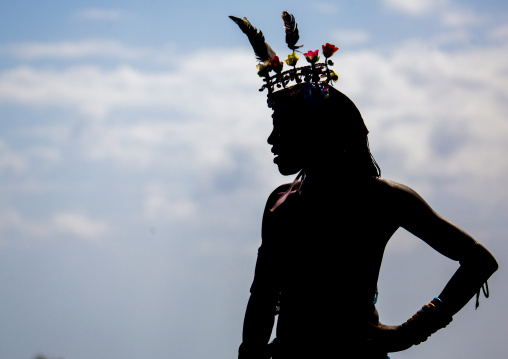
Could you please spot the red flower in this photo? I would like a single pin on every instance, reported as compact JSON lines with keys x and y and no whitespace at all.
{"x":329,"y":50}
{"x":276,"y":64}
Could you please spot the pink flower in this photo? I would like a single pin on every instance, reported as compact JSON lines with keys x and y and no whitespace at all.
{"x":312,"y":56}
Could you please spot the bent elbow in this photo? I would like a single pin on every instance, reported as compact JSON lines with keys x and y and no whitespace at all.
{"x":482,"y":259}
{"x":489,"y":261}
{"x":492,"y":264}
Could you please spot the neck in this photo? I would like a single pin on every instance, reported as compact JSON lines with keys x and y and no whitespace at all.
{"x":321,"y":176}
{"x":326,"y":175}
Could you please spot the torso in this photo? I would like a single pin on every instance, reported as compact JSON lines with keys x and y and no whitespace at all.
{"x":327,"y":248}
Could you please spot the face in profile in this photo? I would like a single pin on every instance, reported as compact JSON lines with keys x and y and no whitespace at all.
{"x":287,"y":142}
{"x":303,"y":140}
{"x":318,"y":137}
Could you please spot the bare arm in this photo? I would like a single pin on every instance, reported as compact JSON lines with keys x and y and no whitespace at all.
{"x":260,"y":313}
{"x":476,"y":266}
{"x":257,"y":325}
{"x":476,"y":262}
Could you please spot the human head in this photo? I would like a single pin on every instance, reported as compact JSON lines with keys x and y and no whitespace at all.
{"x":318,"y":127}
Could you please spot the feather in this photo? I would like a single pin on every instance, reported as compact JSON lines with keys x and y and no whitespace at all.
{"x":262,"y":50}
{"x":292,"y":35}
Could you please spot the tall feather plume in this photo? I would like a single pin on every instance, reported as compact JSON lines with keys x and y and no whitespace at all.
{"x":291,"y":27}
{"x":262,"y":50}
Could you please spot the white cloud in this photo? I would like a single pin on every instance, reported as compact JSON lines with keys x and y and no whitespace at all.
{"x":100,"y":14}
{"x":74,"y":224}
{"x":435,"y":114}
{"x":95,"y":91}
{"x":10,"y":160}
{"x":163,"y":202}
{"x":206,"y":109}
{"x":449,"y":13}
{"x":9,"y":218}
{"x":45,"y":154}
{"x":457,"y":17}
{"x":79,"y":225}
{"x":499,"y":33}
{"x":20,"y":162}
{"x":72,"y":50}
{"x":91,"y":90}
{"x":414,"y":7}
{"x":325,"y":7}
{"x":349,"y":37}
{"x":198,"y":109}
{"x":432,"y":115}
{"x":454,"y":37}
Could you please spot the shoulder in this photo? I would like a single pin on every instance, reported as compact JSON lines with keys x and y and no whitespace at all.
{"x":276,"y":193}
{"x":402,"y":200}
{"x":270,"y":219}
{"x":389,"y":185}
{"x":409,"y":208}
{"x":394,"y":189}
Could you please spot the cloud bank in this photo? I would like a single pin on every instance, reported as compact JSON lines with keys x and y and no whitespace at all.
{"x":159,"y":176}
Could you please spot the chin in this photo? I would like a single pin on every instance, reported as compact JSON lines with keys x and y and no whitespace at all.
{"x":287,"y":166}
{"x":286,"y":170}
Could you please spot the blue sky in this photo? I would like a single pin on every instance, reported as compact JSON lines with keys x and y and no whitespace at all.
{"x":134,"y":165}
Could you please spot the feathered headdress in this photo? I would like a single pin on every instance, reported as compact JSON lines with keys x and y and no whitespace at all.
{"x":317,"y":73}
{"x":264,"y":53}
{"x":291,"y":27}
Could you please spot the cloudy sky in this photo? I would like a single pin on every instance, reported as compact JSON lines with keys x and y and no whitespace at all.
{"x":134,"y":166}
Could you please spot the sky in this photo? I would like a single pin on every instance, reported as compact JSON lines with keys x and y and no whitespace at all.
{"x":134,"y":166}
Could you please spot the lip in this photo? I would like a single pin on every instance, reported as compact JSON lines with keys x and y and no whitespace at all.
{"x":275,"y":155}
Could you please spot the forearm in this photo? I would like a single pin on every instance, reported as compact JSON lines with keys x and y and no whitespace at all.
{"x":474,"y":271}
{"x":468,"y":280}
{"x":477,"y":265}
{"x":259,"y":319}
{"x":257,"y":327}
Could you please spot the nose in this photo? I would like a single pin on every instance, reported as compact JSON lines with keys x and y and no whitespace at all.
{"x":272,"y":138}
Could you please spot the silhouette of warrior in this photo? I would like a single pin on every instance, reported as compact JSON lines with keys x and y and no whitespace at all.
{"x":323,"y":236}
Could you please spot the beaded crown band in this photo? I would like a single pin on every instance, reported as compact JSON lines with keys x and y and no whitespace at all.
{"x":316,"y":75}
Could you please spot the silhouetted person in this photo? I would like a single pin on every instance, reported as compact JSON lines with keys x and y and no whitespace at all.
{"x":323,"y":238}
{"x":322,"y":246}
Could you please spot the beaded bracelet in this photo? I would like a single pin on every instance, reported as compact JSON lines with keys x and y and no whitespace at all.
{"x":433,"y":305}
{"x":427,"y":321}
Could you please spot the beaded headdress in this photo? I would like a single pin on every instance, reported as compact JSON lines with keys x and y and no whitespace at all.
{"x":312,"y":81}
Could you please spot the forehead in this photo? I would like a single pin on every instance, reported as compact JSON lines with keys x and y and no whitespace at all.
{"x":283,"y":116}
{"x":289,"y":122}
